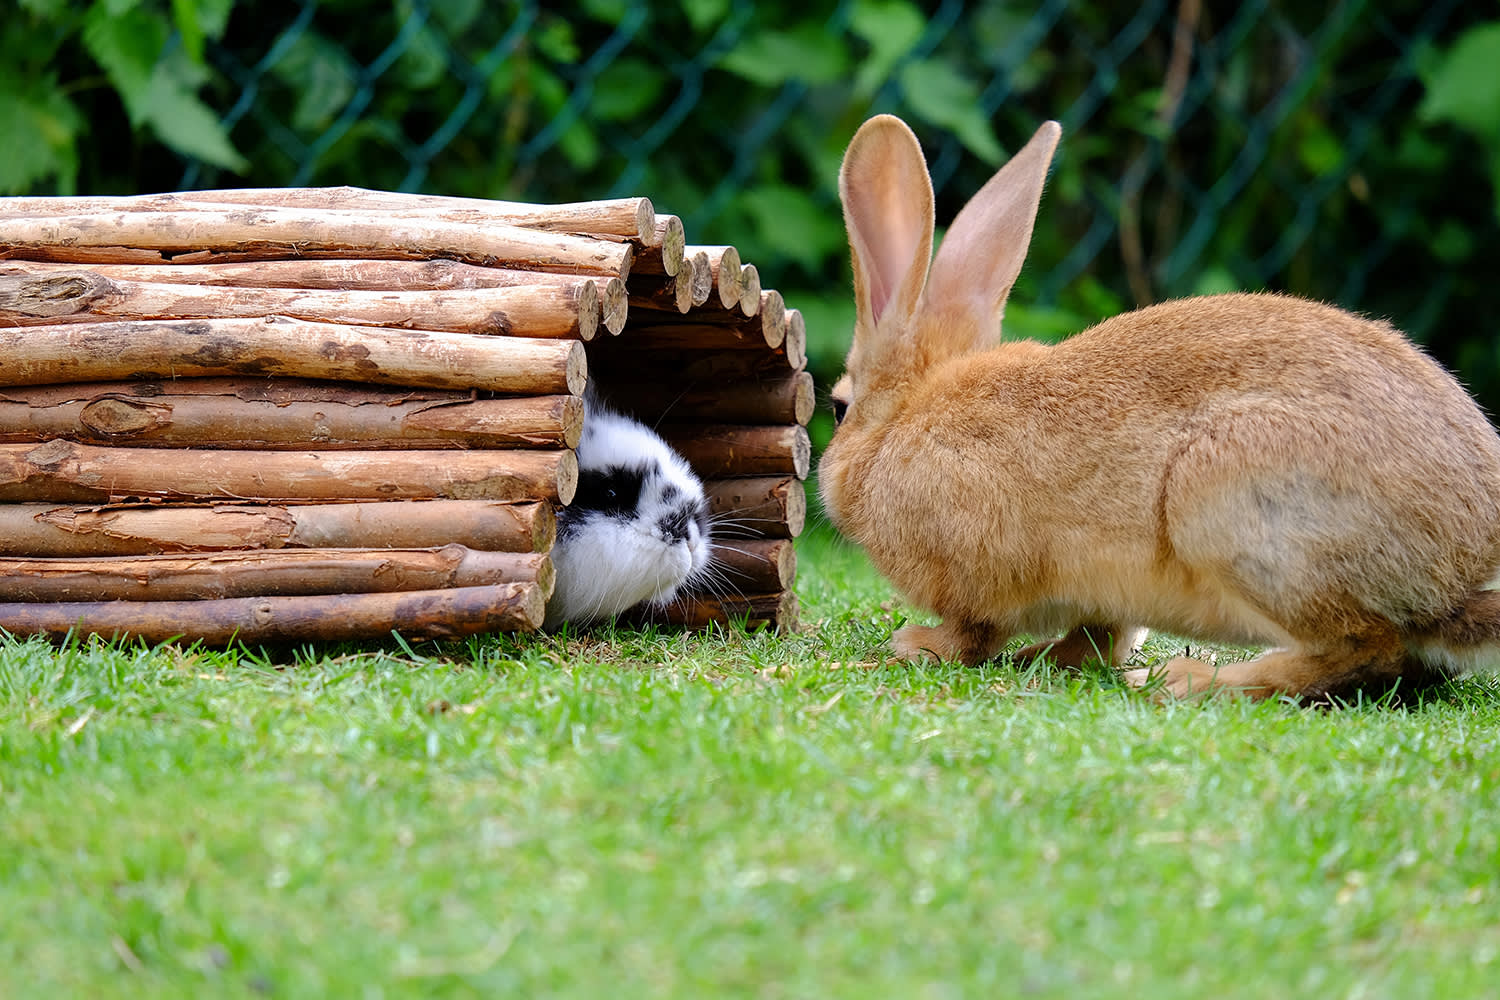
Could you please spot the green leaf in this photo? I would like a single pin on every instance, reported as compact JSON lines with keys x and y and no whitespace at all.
{"x":185,"y":16}
{"x":456,"y":16}
{"x":213,"y":16}
{"x":557,"y":42}
{"x":1319,"y":149}
{"x":1463,"y":86}
{"x":941,"y":96}
{"x":806,"y":53}
{"x":579,"y":144}
{"x":891,"y":28}
{"x":322,"y":76}
{"x":47,"y":9}
{"x":178,"y":118}
{"x":425,"y":62}
{"x":626,"y":88}
{"x":703,"y":14}
{"x":51,"y":124}
{"x":127,"y":45}
{"x":608,"y":11}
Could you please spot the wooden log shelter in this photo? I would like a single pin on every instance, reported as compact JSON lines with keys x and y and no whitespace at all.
{"x":308,"y":414}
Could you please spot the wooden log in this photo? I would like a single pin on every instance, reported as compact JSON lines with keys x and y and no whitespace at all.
{"x":750,"y":290}
{"x":757,"y":507}
{"x":60,"y":531}
{"x":68,"y":472}
{"x":278,"y":346}
{"x":428,"y":614}
{"x":665,"y":254}
{"x":111,"y":414}
{"x":776,"y":610}
{"x":724,"y":267}
{"x":703,"y":276}
{"x":343,"y":274}
{"x":217,"y":575}
{"x":283,"y":232}
{"x":754,"y":566}
{"x":628,"y":217}
{"x":541,"y":310}
{"x":719,"y":450}
{"x":785,"y":398}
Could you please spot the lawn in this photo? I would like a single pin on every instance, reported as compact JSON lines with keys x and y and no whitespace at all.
{"x":635,"y":814}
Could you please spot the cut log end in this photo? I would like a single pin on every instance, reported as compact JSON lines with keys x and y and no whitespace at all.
{"x":727,"y":277}
{"x":805,"y":398}
{"x":672,"y":241}
{"x":645,"y":222}
{"x":795,"y":345}
{"x":614,"y":306}
{"x":588,"y":310}
{"x":750,"y":289}
{"x":702,"y":278}
{"x":772,"y":318}
{"x":576,"y":370}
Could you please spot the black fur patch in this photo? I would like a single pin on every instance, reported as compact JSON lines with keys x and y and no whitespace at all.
{"x":613,"y":491}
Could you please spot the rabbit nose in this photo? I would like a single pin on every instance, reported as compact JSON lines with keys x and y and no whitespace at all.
{"x":676,"y":525}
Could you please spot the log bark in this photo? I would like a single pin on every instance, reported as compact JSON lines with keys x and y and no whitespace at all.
{"x":719,"y":450}
{"x":754,"y":567}
{"x":342,"y":274}
{"x":150,"y":349}
{"x":48,"y":530}
{"x":541,"y":311}
{"x":427,"y":614}
{"x":774,"y":399}
{"x":283,"y":232}
{"x":218,"y":575}
{"x":757,"y":506}
{"x":112,"y":414}
{"x":628,"y":217}
{"x":68,"y":472}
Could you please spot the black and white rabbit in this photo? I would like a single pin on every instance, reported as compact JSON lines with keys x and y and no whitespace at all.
{"x":637,"y":530}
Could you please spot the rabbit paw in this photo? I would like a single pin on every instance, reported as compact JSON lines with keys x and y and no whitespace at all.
{"x":1181,"y":678}
{"x":966,"y":643}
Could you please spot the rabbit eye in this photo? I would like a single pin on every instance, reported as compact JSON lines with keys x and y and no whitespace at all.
{"x":840,"y":407}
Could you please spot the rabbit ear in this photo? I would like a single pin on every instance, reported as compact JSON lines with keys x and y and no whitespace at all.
{"x":985,"y":247}
{"x":887,"y":198}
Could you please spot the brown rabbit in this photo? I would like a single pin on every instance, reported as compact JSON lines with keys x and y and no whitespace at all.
{"x":1246,"y":468}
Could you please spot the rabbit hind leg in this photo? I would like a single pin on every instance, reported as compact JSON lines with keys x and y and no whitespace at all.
{"x":1368,"y":658}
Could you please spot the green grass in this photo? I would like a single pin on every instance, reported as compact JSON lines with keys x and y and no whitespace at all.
{"x":640,"y":814}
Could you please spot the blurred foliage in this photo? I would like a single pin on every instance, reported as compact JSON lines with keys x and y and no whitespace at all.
{"x":1349,"y":152}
